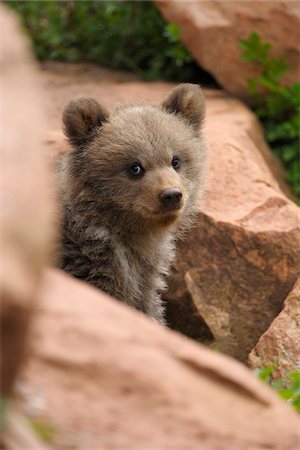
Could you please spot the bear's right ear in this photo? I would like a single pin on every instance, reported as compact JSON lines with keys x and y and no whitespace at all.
{"x":81,"y":117}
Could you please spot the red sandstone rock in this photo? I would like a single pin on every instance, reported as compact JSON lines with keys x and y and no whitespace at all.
{"x":280,"y":344}
{"x":212,"y":31}
{"x":27,"y":228}
{"x":111,"y":378}
{"x":26,"y":198}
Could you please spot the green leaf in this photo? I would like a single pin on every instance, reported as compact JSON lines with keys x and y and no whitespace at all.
{"x":289,"y":153}
{"x":265,"y":373}
{"x":172,"y":32}
{"x":252,"y":86}
{"x":275,"y":68}
{"x":270,"y":84}
{"x":254,"y":49}
{"x":288,"y":390}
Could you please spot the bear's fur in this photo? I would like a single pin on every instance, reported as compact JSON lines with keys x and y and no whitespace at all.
{"x":124,"y":203}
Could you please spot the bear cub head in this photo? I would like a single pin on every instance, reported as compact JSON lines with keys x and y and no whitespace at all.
{"x":142,"y":166}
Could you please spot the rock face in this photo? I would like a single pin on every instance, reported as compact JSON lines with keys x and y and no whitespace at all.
{"x":280,"y":344}
{"x":110,"y":378}
{"x":26,"y":199}
{"x":212,"y":31}
{"x":237,"y":266}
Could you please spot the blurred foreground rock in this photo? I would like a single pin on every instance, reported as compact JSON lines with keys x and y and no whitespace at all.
{"x":110,"y":378}
{"x":26,"y":197}
{"x":237,"y":265}
{"x":18,"y":435}
{"x":280,"y":344}
{"x":212,"y":30}
{"x":26,"y":207}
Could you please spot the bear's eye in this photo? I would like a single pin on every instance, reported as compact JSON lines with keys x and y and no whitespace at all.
{"x":136,"y":169}
{"x":176,"y":162}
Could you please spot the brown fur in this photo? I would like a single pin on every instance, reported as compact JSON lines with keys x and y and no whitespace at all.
{"x":119,"y":229}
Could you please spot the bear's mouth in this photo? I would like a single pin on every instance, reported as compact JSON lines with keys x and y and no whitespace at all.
{"x":170,"y":208}
{"x":166,"y":214}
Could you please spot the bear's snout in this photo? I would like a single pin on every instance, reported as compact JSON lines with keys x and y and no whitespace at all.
{"x":170,"y":198}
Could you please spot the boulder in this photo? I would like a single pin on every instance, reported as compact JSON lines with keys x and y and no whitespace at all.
{"x":211,"y":31}
{"x":279,"y":346}
{"x":27,"y":202}
{"x":109,"y":377}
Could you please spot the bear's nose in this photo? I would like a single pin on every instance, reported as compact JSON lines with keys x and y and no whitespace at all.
{"x":170,"y":197}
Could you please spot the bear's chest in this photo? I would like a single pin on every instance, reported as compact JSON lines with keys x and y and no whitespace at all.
{"x":146,"y":269}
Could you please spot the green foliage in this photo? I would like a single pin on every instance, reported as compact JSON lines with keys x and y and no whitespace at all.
{"x":122,"y":35}
{"x":277,"y":105}
{"x":289,"y":390}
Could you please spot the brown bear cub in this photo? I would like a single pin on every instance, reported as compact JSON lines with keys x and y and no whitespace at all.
{"x":130,"y":186}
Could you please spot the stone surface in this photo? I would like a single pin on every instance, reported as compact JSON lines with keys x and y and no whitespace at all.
{"x":26,"y":198}
{"x":280,"y":344}
{"x":212,"y":31}
{"x":111,"y":378}
{"x":247,"y":237}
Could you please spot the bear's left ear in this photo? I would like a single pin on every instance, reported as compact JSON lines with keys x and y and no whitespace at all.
{"x":187,"y":100}
{"x":81,"y":117}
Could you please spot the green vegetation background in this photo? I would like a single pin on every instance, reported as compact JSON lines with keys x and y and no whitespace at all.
{"x":132,"y":35}
{"x":129,"y":35}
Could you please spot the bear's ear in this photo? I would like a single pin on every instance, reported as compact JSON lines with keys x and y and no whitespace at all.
{"x":187,"y":100}
{"x":81,"y":117}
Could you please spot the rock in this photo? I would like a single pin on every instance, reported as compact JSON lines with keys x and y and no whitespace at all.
{"x":26,"y":197}
{"x":237,"y":265}
{"x":56,"y":143}
{"x":111,"y":378}
{"x":280,"y":344}
{"x":211,"y":31}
